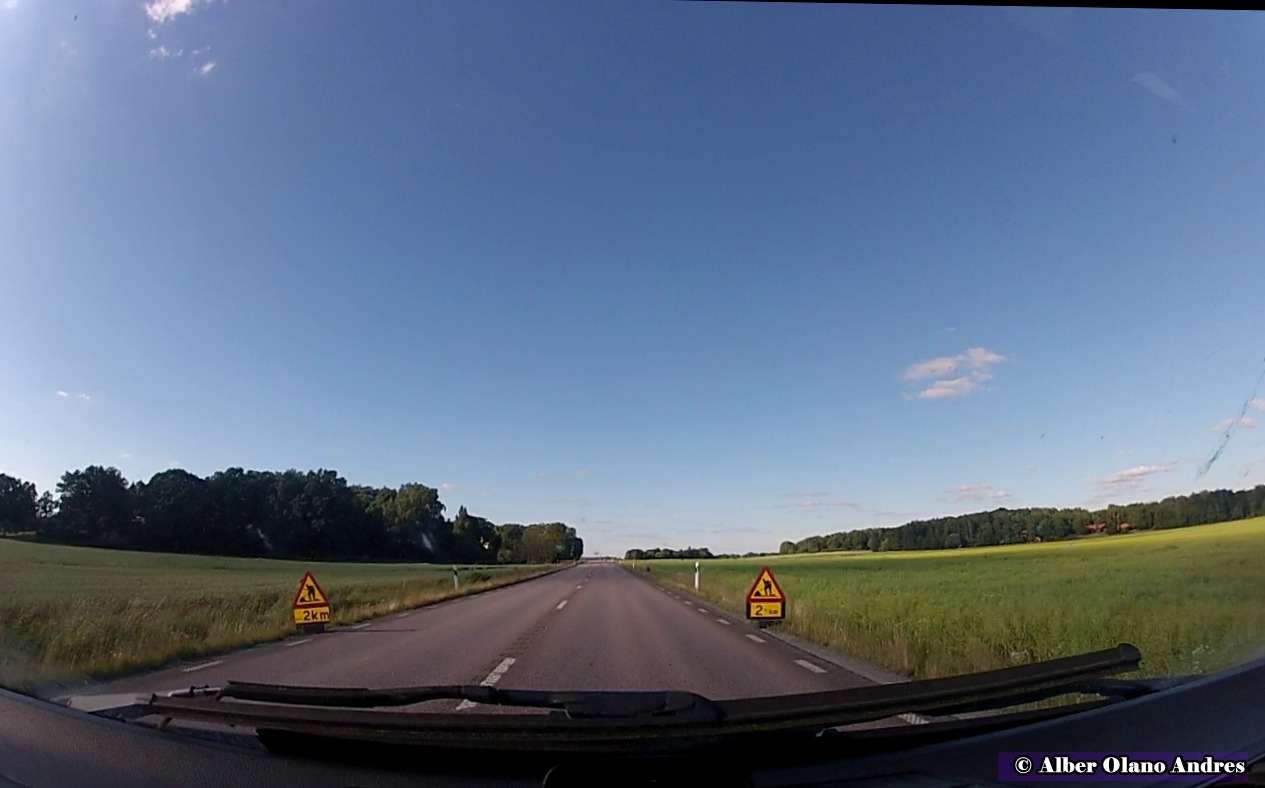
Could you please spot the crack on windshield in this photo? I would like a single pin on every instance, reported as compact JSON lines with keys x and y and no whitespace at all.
{"x":1231,"y":428}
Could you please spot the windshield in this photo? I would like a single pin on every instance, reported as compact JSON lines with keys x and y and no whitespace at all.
{"x":741,"y":350}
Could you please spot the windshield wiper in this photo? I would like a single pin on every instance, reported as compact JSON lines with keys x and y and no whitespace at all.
{"x":578,"y":705}
{"x":617,"y":721}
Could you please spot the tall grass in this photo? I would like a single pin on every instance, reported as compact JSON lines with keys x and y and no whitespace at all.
{"x":1191,"y":599}
{"x":70,"y":613}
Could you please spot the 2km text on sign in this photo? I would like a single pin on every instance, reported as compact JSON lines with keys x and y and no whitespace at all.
{"x":311,"y":606}
{"x":765,"y":600}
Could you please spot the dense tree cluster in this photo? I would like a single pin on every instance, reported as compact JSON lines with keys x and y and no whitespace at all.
{"x":664,"y":552}
{"x":1010,"y":526}
{"x":292,"y":514}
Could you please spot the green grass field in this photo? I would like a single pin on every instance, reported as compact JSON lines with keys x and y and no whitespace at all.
{"x":1192,"y":599}
{"x":69,"y":613}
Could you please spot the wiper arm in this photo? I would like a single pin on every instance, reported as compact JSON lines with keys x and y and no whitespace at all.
{"x":681,"y":706}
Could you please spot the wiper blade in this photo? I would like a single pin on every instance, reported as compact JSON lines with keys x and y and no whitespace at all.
{"x":609,"y":721}
{"x":575,"y":705}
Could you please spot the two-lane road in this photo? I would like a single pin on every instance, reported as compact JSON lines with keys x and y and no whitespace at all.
{"x":593,"y":626}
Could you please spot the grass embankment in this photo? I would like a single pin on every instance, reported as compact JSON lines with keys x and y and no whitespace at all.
{"x":68,"y":613}
{"x":1191,"y":599}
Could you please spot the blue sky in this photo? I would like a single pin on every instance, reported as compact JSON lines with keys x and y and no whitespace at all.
{"x":675,"y":273}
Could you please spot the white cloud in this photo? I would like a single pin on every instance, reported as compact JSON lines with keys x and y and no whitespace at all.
{"x":163,"y":11}
{"x":975,"y":362}
{"x":173,"y":463}
{"x":1246,"y":422}
{"x":951,"y":388}
{"x":163,"y":53}
{"x":85,"y":398}
{"x":976,"y":358}
{"x":1001,"y":495}
{"x":971,"y":492}
{"x":1158,"y":87}
{"x":487,"y":494}
{"x":449,"y":487}
{"x":1132,"y":478}
{"x":61,"y":393}
{"x":205,"y":68}
{"x":125,"y":455}
{"x":820,"y":504}
{"x":1257,"y":402}
{"x":10,"y":5}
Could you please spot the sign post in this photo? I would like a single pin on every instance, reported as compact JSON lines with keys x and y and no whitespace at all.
{"x":456,"y":584}
{"x":696,"y":575}
{"x":765,"y":600}
{"x":311,"y":606}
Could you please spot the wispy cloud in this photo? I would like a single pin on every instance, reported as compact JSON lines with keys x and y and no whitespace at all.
{"x":161,"y":52}
{"x":173,"y":463}
{"x":573,"y":500}
{"x":975,"y":362}
{"x":487,"y":494}
{"x":61,"y":393}
{"x":163,"y":11}
{"x":580,"y":472}
{"x":970,"y":492}
{"x":1131,"y":479}
{"x":1001,"y":495}
{"x":1245,"y":422}
{"x":812,"y":494}
{"x":948,"y":330}
{"x":1256,"y":402}
{"x":973,"y":358}
{"x":205,"y":68}
{"x":10,"y":5}
{"x":820,"y":504}
{"x":125,"y":455}
{"x":1159,"y":88}
{"x":85,"y":398}
{"x":449,"y":487}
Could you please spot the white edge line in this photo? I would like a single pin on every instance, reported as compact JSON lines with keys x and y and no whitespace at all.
{"x":210,"y":664}
{"x":755,"y":638}
{"x":723,"y":621}
{"x":562,"y":604}
{"x":297,"y":642}
{"x":360,"y":626}
{"x":806,"y":665}
{"x":492,"y":679}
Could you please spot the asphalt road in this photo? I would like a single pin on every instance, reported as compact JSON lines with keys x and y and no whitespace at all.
{"x":593,"y":626}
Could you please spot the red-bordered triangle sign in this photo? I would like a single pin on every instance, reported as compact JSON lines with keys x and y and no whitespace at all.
{"x":309,"y":594}
{"x":765,"y":588}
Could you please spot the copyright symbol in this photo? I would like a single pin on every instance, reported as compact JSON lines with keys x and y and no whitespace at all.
{"x":1023,"y":764}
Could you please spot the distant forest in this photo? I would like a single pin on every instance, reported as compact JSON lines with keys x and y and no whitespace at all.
{"x":290,"y":514}
{"x":1012,"y":526}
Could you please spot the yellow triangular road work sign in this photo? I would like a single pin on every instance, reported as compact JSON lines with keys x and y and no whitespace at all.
{"x":765,"y":588}
{"x":309,"y":594}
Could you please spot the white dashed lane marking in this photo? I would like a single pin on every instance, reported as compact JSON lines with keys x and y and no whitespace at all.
{"x":755,"y":638}
{"x":702,"y":610}
{"x":361,"y":626}
{"x":492,"y":678}
{"x":806,"y":665}
{"x":211,"y":664}
{"x":577,"y":588}
{"x":722,"y":621}
{"x":561,"y":605}
{"x":297,"y":642}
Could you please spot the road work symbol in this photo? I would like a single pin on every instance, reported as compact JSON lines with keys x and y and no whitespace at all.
{"x":765,"y":600}
{"x":311,"y":606}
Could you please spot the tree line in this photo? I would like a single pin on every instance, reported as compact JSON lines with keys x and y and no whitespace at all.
{"x":665,"y":552}
{"x":289,"y":514}
{"x":1012,"y":526}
